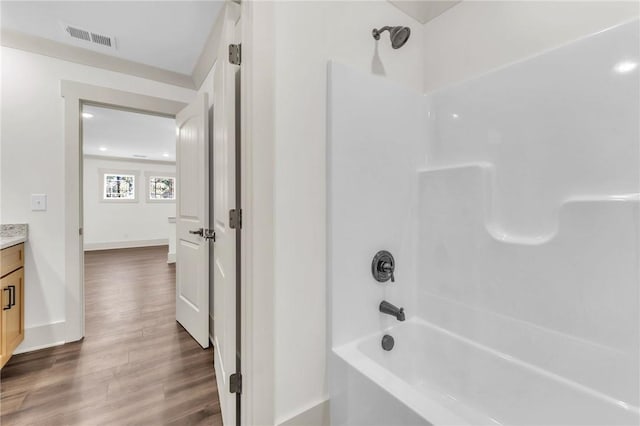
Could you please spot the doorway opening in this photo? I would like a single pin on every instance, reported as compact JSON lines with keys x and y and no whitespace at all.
{"x":128,"y":218}
{"x":192,"y":134}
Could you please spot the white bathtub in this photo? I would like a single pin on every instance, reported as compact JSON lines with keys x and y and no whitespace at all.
{"x":433,"y":376}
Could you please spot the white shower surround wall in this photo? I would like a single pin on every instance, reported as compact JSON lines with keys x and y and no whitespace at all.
{"x":511,"y":204}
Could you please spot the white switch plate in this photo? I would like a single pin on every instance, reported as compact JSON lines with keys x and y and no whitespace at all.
{"x":38,"y":202}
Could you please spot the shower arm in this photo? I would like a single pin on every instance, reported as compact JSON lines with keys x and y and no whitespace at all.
{"x":376,"y":32}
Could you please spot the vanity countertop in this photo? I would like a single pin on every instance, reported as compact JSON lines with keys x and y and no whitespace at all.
{"x":13,"y":234}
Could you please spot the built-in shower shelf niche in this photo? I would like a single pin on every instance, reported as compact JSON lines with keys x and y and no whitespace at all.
{"x":548,"y":231}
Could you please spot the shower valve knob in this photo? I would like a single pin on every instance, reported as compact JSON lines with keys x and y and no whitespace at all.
{"x":383,"y":267}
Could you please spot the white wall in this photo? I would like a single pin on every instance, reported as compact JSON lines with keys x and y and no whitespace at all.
{"x":307,"y":35}
{"x":33,"y":162}
{"x":375,"y":147}
{"x":123,"y":224}
{"x":474,"y":37}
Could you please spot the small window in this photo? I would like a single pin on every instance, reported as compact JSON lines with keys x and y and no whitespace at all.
{"x":162,"y":188}
{"x":119,"y":186}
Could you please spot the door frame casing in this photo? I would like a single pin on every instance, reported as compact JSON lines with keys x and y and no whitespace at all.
{"x":75,"y":96}
{"x":258,"y":215}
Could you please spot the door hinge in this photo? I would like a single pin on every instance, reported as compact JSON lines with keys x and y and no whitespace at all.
{"x":79,"y":231}
{"x":235,"y":54}
{"x":209,"y":234}
{"x":235,"y":219}
{"x":235,"y":383}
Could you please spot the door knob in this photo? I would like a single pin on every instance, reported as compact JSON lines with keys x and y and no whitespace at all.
{"x":199,"y":231}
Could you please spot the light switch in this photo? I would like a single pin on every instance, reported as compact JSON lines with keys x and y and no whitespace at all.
{"x":38,"y":202}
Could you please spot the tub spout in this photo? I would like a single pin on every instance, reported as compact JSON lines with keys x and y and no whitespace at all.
{"x":389,"y":309}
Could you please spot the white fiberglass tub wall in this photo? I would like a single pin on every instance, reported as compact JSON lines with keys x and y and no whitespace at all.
{"x":511,"y":205}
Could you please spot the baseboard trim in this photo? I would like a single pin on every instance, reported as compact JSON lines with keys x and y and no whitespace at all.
{"x":125,"y":244}
{"x":316,"y":415}
{"x":171,"y":258}
{"x":42,"y":336}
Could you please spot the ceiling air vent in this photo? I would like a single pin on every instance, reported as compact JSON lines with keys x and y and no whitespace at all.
{"x":93,"y":38}
{"x":101,"y":39}
{"x":139,"y":156}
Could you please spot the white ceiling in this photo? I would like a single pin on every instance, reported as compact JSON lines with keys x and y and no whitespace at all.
{"x":126,"y":134}
{"x":165,"y":34}
{"x":424,"y":10}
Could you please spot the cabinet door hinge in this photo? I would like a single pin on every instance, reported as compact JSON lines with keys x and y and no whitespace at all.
{"x":235,"y":219}
{"x":235,"y":383}
{"x":235,"y":54}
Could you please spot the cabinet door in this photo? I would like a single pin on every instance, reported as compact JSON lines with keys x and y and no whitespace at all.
{"x":3,"y":342}
{"x":12,"y":307}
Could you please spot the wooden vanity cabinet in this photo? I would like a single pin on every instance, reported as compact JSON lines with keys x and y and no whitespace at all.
{"x":12,"y":299}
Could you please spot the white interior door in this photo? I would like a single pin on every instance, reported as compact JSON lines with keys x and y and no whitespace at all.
{"x":224,"y":194}
{"x":192,"y":218}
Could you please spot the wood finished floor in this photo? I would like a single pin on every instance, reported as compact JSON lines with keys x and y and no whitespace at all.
{"x":135,"y":366}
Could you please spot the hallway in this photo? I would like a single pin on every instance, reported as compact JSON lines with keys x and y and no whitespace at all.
{"x":136,"y":365}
